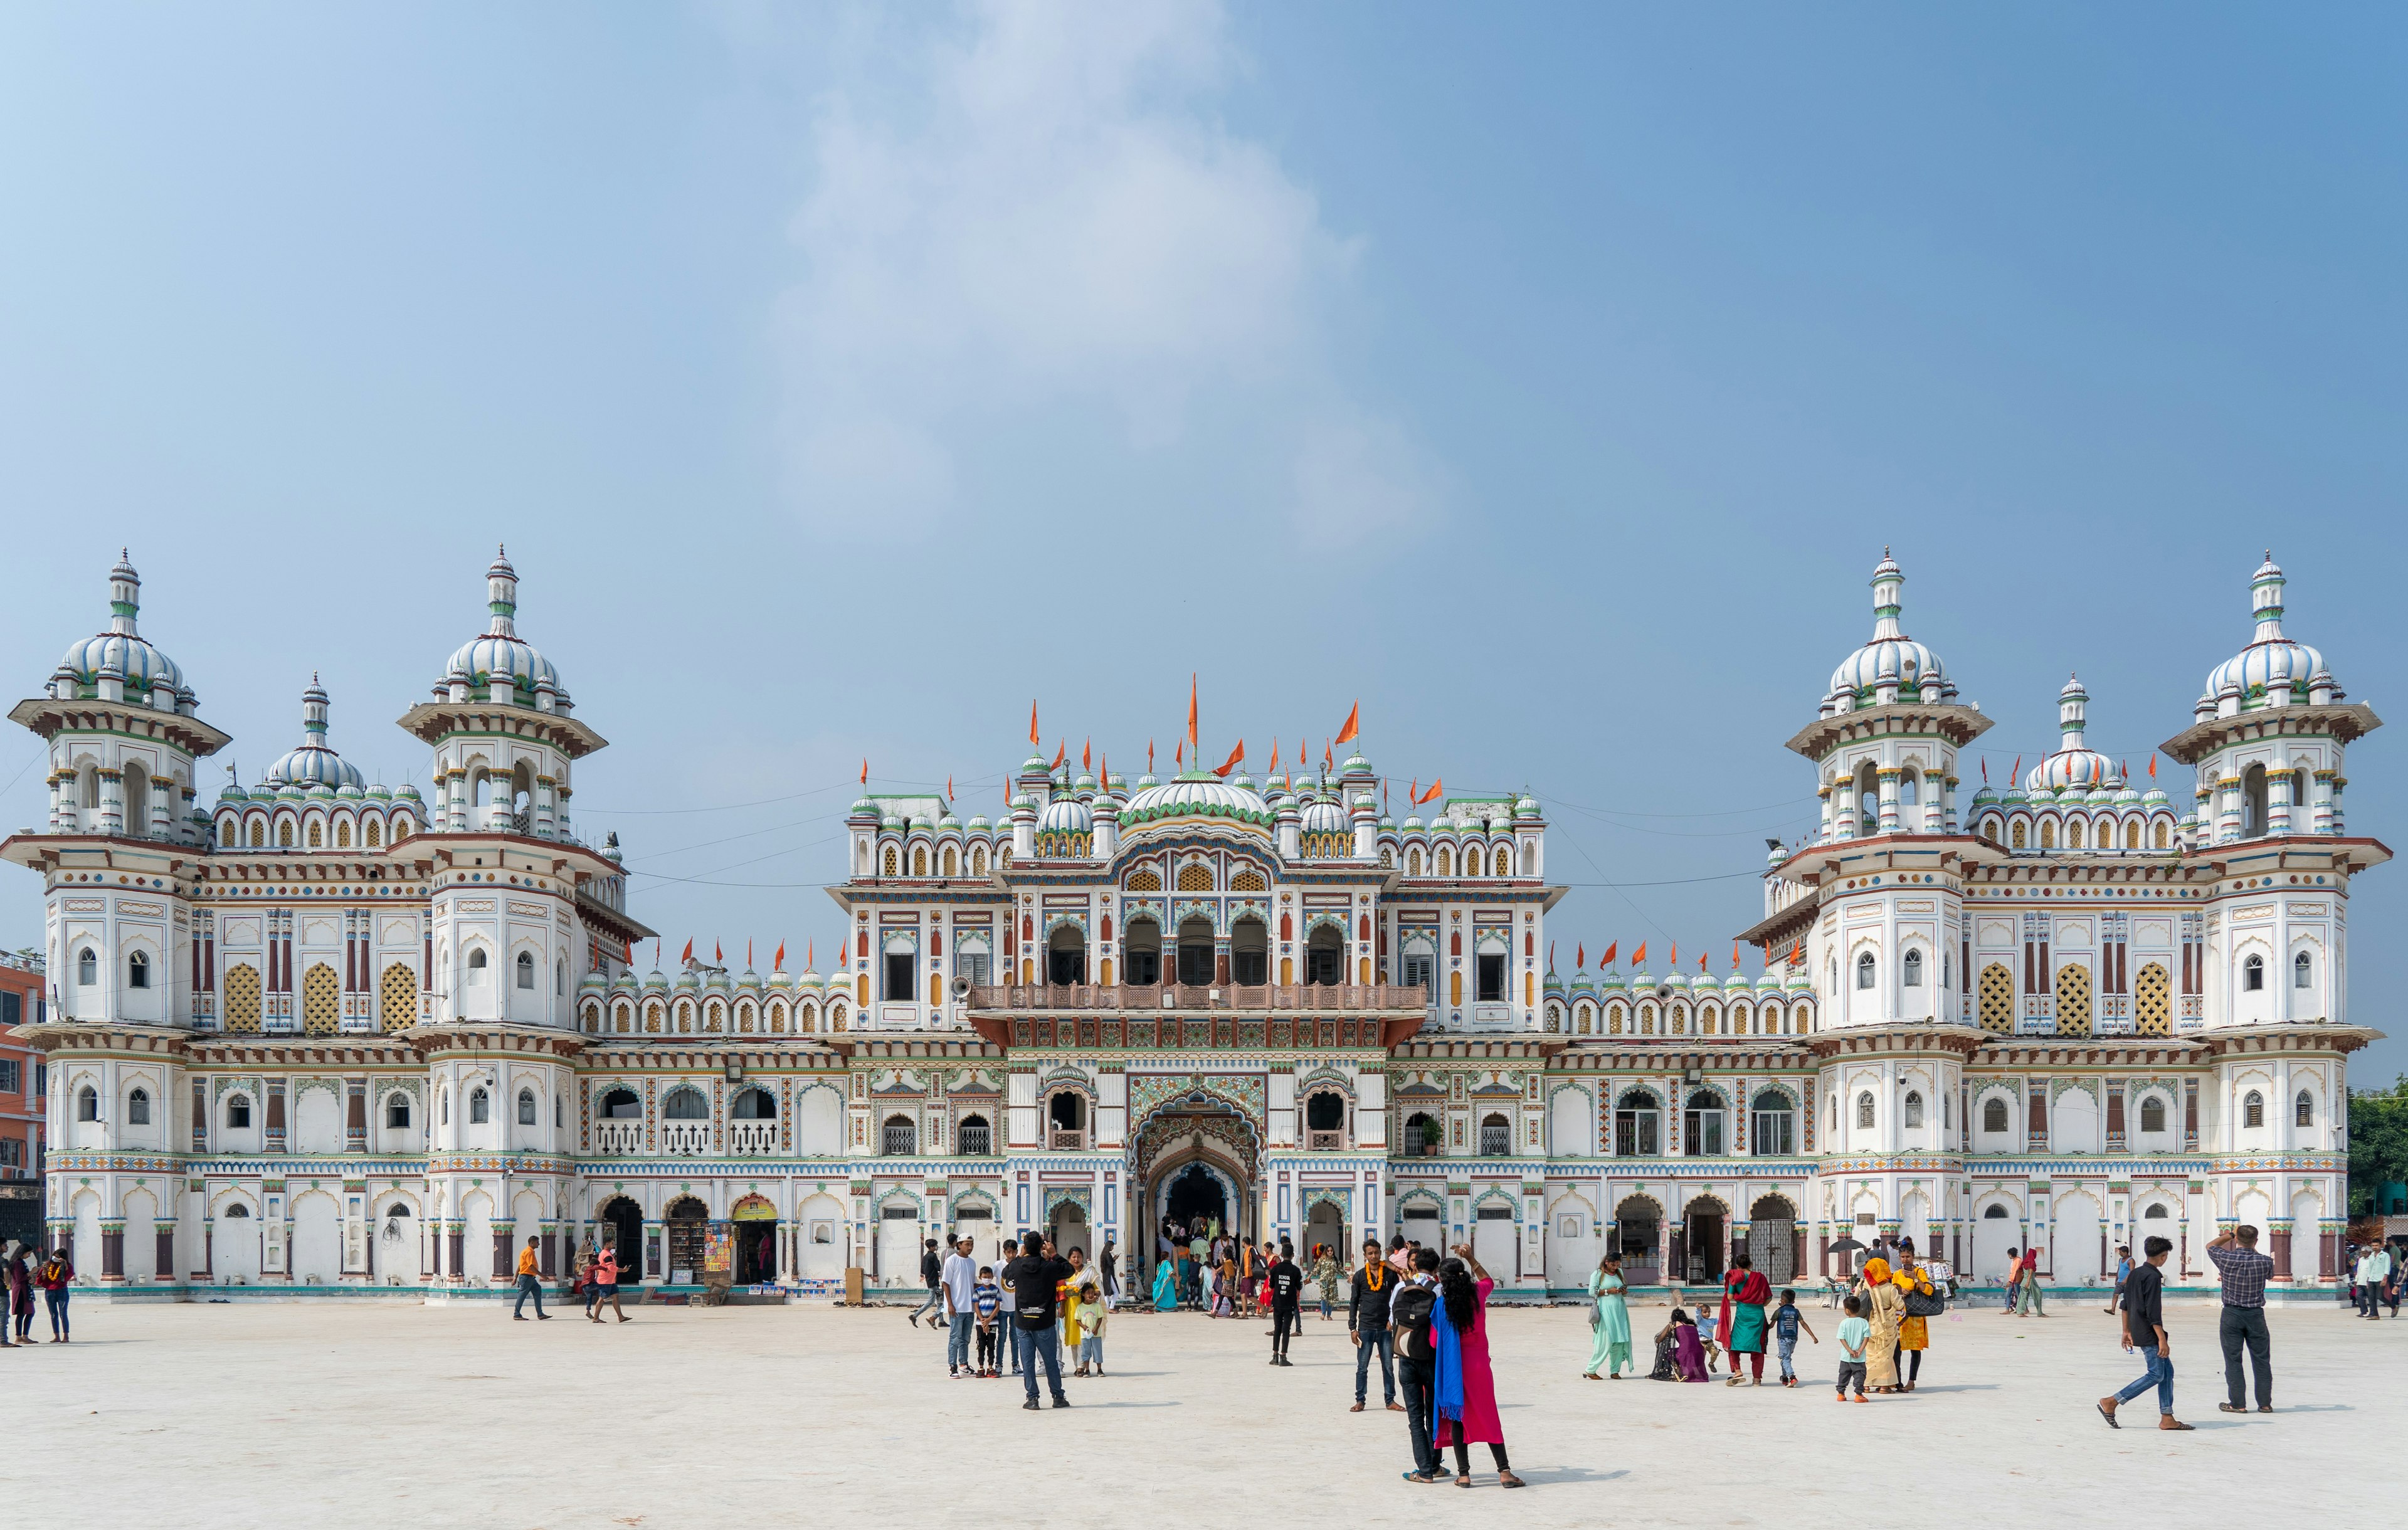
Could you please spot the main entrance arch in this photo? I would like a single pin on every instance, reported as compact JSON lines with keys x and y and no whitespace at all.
{"x":1195,"y":1156}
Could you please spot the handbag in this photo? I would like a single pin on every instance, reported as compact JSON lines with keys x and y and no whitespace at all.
{"x":1926,"y":1304}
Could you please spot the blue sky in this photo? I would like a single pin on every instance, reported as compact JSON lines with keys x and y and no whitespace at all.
{"x":1549,"y":379}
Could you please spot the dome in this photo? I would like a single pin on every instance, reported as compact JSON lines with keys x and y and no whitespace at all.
{"x":892,"y":821}
{"x":1064,"y":815}
{"x":1985,"y":797}
{"x":2154,"y":797}
{"x":500,"y":654}
{"x":1889,"y":656}
{"x":1084,"y":783}
{"x":1613,"y":979}
{"x":949,"y":820}
{"x":406,"y":793}
{"x":1413,"y":823}
{"x":1323,"y":816}
{"x":654,"y":982}
{"x":313,"y":764}
{"x":1201,"y":795}
{"x":1526,"y":807}
{"x":150,"y":676}
{"x":2271,"y":659}
{"x":978,"y":823}
{"x":2075,"y":767}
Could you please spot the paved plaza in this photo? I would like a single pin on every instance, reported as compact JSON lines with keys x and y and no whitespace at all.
{"x":305,"y":1413}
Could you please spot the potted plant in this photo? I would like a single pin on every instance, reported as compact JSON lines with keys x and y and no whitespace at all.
{"x":1429,"y":1139}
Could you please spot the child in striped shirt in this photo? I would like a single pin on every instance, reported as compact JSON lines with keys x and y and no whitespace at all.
{"x":986,"y":1296}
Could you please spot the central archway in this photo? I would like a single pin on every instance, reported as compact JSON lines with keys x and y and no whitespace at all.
{"x":1206,"y":1150}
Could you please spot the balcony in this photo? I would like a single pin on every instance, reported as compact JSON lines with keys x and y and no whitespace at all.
{"x":753,"y":1139}
{"x":1300,"y":998}
{"x":1060,"y":1140}
{"x":618,"y":1136}
{"x":686,"y":1139}
{"x":1324,"y":1141}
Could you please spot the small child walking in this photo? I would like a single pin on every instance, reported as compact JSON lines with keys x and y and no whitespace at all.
{"x":1855,"y":1334}
{"x":1787,"y":1321}
{"x":1707,"y":1318}
{"x":985,"y":1298}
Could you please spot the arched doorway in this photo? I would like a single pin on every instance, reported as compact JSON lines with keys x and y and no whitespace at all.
{"x":1638,"y":1235}
{"x":1203,"y":1150}
{"x":1067,"y":1228}
{"x":623,"y":1225}
{"x":1772,"y":1238}
{"x":1702,"y":1259}
{"x":755,"y":1233}
{"x":1195,"y":1194}
{"x":688,"y":1220}
{"x":1324,"y":1227}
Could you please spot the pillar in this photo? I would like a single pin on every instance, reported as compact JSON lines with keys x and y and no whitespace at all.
{"x":112,"y":1251}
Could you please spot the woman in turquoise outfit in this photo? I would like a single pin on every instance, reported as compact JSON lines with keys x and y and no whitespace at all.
{"x":1612,"y":1348}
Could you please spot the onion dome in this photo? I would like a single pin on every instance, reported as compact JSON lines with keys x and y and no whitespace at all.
{"x":2154,"y":797}
{"x":949,"y":820}
{"x":1147,"y":779}
{"x":2259,"y":674}
{"x":654,"y":982}
{"x":978,"y":823}
{"x":1086,"y":782}
{"x":231,"y":793}
{"x":1064,"y":815}
{"x":1768,"y":981}
{"x":1582,"y":983}
{"x":893,"y":821}
{"x":2076,"y":766}
{"x":717,"y":980}
{"x":500,"y":657}
{"x":1324,"y":816}
{"x":1413,"y":823}
{"x":1640,"y":982}
{"x":379,"y":792}
{"x":1775,"y":853}
{"x":1889,"y":657}
{"x":1986,"y":796}
{"x":1242,"y":781}
{"x":1526,"y":807}
{"x":1797,"y":982}
{"x":122,"y":654}
{"x":781,"y":981}
{"x":1199,"y":795}
{"x":1355,"y":764}
{"x":1675,"y":979}
{"x":1551,"y":983}
{"x":312,"y":763}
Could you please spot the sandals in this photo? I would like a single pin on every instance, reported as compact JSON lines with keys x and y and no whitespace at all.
{"x":1506,"y":1479}
{"x":2109,"y":1414}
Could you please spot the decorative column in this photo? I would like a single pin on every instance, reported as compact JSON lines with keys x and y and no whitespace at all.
{"x":163,"y":1267}
{"x":112,"y":1252}
{"x":1843,"y":808}
{"x":1887,"y":776}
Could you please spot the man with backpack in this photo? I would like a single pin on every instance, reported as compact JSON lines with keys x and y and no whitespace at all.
{"x":1410,"y":1311}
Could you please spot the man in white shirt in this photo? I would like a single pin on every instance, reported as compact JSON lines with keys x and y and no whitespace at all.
{"x":958,"y":1281}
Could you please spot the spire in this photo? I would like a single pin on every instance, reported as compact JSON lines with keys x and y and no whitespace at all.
{"x":313,"y":713}
{"x":2265,"y":599}
{"x":124,"y":594}
{"x":502,"y":594}
{"x":2073,"y":703}
{"x":1887,"y":582}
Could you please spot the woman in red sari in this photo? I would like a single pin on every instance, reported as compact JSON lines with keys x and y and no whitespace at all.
{"x":1745,"y":1294}
{"x":1463,"y":1389}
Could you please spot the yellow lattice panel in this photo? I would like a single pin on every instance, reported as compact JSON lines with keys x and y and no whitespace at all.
{"x":1144,"y":881}
{"x":321,"y":1001}
{"x":1247,"y":882}
{"x":242,"y":998}
{"x":2073,"y":1000}
{"x":2153,"y":1007}
{"x":1195,"y":877}
{"x":396,"y":998}
{"x":1998,"y":1000}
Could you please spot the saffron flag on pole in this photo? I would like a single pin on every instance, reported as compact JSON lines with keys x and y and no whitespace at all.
{"x":1430,"y":796}
{"x":718,"y":954}
{"x":1676,"y":956}
{"x":1034,"y":740}
{"x":1231,"y":763}
{"x":689,"y":952}
{"x":2153,"y":765}
{"x":1610,"y":947}
{"x":778,"y":963}
{"x":1734,"y":956}
{"x":1328,"y":758}
{"x":1986,"y":770}
{"x":748,"y":955}
{"x":1191,"y":709}
{"x":1149,"y":756}
{"x":1061,"y":752}
{"x":1178,"y":755}
{"x":1086,"y":754}
{"x":1346,"y":733}
{"x":1638,"y":957}
{"x":865,"y":770}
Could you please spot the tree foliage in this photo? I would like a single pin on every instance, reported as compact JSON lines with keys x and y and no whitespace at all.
{"x":2378,"y":1141}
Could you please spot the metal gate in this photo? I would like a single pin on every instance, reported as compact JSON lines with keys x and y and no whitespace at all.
{"x":1771,"y":1248}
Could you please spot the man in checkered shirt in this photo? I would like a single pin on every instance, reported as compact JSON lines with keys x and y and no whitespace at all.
{"x":2245,"y":1272}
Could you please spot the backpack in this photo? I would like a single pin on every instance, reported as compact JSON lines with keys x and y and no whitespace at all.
{"x":1408,"y":1319}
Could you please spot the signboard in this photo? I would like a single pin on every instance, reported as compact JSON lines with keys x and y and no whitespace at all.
{"x":718,"y":1250}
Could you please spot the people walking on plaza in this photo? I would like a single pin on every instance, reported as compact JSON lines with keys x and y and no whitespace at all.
{"x":1611,"y":1318}
{"x":1285,"y":1284}
{"x":2014,"y":1280}
{"x":580,"y":1282}
{"x":606,"y":1286}
{"x":2374,"y":1274}
{"x":1464,"y":1388}
{"x":932,"y":1269}
{"x":1913,"y":1283}
{"x":2244,"y":1272}
{"x":8,"y":1294}
{"x":1326,"y":1273}
{"x":2123,"y":1273}
{"x":1411,"y":1312}
{"x":1884,"y":1307}
{"x":16,"y":1296}
{"x":1856,"y":1338}
{"x":959,"y":1279}
{"x":1787,"y":1321}
{"x":1745,"y":1294}
{"x":1035,"y":1279}
{"x":1108,"y":1268}
{"x":1198,"y":1247}
{"x":1005,"y":1303}
{"x":2144,"y":1328}
{"x":2029,"y":1299}
{"x":1165,"y":1285}
{"x":1708,"y":1324}
{"x":530,"y":1284}
{"x":55,"y":1277}
{"x":1370,"y":1292}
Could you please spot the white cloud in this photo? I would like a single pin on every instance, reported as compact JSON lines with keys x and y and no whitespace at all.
{"x":1044,"y":210}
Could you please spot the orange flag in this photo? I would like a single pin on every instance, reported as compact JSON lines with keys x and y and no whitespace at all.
{"x":718,"y":955}
{"x":1610,"y":946}
{"x":1231,"y":763}
{"x":1274,"y":751}
{"x":1300,"y":759}
{"x":1086,"y":752}
{"x":1149,"y":756}
{"x":1191,"y":709}
{"x":1353,"y":718}
{"x":1734,"y":956}
{"x":1797,"y":953}
{"x":1579,"y":957}
{"x":689,"y":953}
{"x":1638,"y":957}
{"x":2153,"y":765}
{"x":1178,"y":755}
{"x":1061,"y":752}
{"x":1328,"y":760}
{"x":810,"y":956}
{"x":1676,"y":956}
{"x":949,"y":796}
{"x":778,"y":963}
{"x":865,"y":770}
{"x":1430,"y":796}
{"x":1034,"y":742}
{"x":748,"y":955}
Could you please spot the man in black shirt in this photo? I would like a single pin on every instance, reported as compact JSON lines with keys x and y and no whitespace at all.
{"x":1287,"y":1294}
{"x":1408,"y":1314}
{"x":2144,"y":1327}
{"x":1367,"y":1321}
{"x":1035,"y":1279}
{"x":932,"y":1276}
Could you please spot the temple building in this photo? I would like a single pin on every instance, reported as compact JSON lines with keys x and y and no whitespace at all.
{"x":321,"y":1037}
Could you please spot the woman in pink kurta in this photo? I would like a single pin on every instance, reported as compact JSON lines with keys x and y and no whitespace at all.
{"x":1464,"y":1389}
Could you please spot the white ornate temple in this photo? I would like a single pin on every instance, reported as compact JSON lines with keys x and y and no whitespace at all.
{"x":319,"y":1037}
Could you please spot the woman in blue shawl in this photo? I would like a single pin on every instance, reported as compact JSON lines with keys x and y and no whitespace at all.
{"x":1464,"y":1389}
{"x":1166,"y":1287}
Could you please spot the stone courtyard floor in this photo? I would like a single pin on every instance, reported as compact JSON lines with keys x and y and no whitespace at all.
{"x":307,"y":1414}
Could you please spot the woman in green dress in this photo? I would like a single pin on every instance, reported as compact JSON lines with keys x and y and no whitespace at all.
{"x":1611,"y":1351}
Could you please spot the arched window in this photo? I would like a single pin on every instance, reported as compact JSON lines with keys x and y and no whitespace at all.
{"x":1865,"y":1110}
{"x":317,"y":834}
{"x":1065,"y":956}
{"x":137,"y":1107}
{"x":685,"y":1103}
{"x":396,"y":1110}
{"x":479,"y":1109}
{"x":2133,"y":834}
{"x":896,"y":1138}
{"x":1196,"y":952}
{"x":137,"y":970}
{"x":238,"y":1110}
{"x":974,"y":1137}
{"x":1504,"y":861}
{"x":1911,"y":969}
{"x":1914,"y":1114}
{"x":87,"y":1104}
{"x":1066,"y":1112}
{"x":951,"y":865}
{"x":1413,"y":862}
{"x":2252,"y":802}
{"x":1496,"y":1136}
{"x":1774,"y":1134}
{"x":258,"y":835}
{"x":527,"y":1106}
{"x":2016,"y":842}
{"x":1636,"y":1121}
{"x":1143,"y":946}
{"x":1994,"y":1114}
{"x":2303,"y":1109}
{"x":1249,"y":952}
{"x":476,"y":967}
{"x":443,"y":1108}
{"x":2073,"y":835}
{"x":978,"y":860}
{"x":891,"y":863}
{"x":1324,"y":960}
{"x":2048,"y":833}
{"x":284,"y":835}
{"x":87,"y":969}
{"x":2253,"y":973}
{"x":1701,"y":1124}
{"x":527,"y":970}
{"x":343,"y":835}
{"x":2152,"y":1113}
{"x":918,"y":860}
{"x":2161,"y":834}
{"x":1445,"y":862}
{"x":1865,"y":971}
{"x":2301,"y":972}
{"x":2253,"y":1109}
{"x":375,"y":834}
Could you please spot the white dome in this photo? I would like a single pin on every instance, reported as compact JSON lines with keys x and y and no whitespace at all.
{"x":313,"y":764}
{"x":1196,"y":794}
{"x":1889,"y":656}
{"x":136,"y":659}
{"x":2271,"y":659}
{"x":1323,"y":816}
{"x":1064,"y":815}
{"x":500,"y":654}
